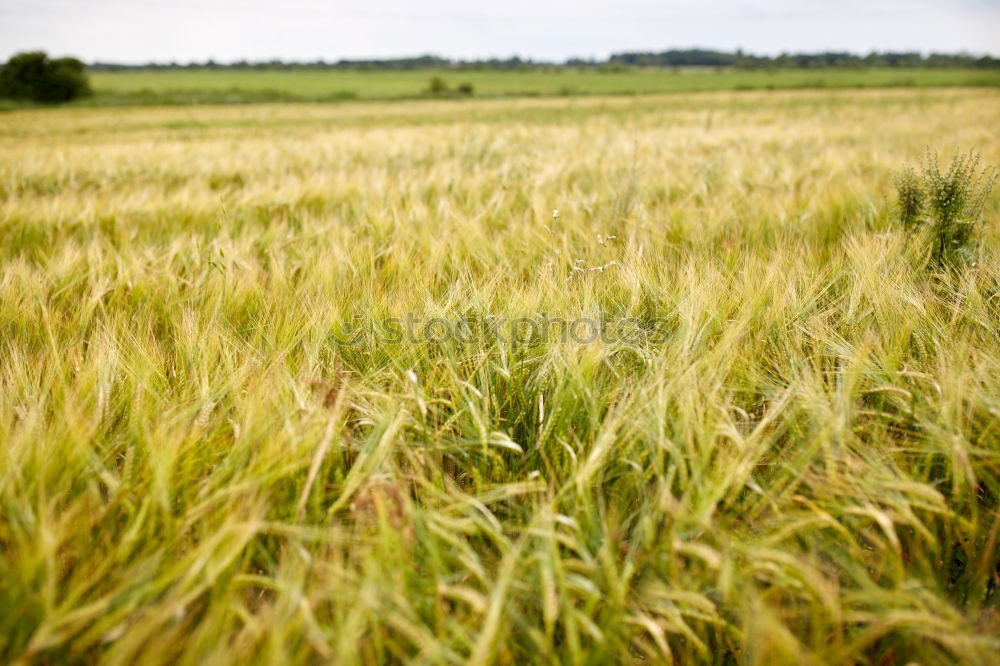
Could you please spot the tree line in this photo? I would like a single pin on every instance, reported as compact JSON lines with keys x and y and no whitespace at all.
{"x":825,"y":60}
{"x":669,"y":58}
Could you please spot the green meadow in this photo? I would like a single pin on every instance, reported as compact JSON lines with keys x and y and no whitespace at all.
{"x":221,"y":86}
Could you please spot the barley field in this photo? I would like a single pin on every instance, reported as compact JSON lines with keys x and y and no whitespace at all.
{"x":295,"y":384}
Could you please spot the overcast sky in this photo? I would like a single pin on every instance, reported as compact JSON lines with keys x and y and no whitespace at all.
{"x":185,"y":30}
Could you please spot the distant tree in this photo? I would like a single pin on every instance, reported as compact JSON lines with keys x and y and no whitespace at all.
{"x":33,"y":75}
{"x":437,"y":86}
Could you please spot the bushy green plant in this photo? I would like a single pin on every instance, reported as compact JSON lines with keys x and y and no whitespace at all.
{"x":950,"y":202}
{"x":911,"y":198}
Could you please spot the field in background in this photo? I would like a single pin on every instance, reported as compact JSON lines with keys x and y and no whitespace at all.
{"x":179,"y":86}
{"x":212,"y":452}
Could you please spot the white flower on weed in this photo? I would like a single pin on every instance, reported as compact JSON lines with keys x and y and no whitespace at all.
{"x":555,"y":216}
{"x":600,"y":269}
{"x":417,"y":393}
